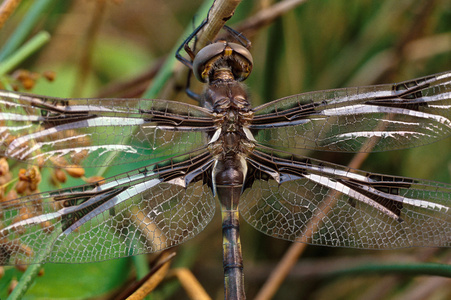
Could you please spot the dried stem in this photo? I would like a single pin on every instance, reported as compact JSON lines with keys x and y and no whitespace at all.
{"x":221,"y":11}
{"x":267,"y":16}
{"x":6,"y":10}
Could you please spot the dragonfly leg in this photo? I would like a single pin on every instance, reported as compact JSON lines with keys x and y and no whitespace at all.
{"x":239,"y":37}
{"x":187,"y":48}
{"x":188,"y":91}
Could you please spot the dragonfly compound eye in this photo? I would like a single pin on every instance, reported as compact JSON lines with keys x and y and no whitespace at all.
{"x":209,"y":58}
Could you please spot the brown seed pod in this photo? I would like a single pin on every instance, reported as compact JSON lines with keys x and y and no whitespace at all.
{"x":78,"y":157}
{"x":10,"y":199}
{"x":59,"y":175}
{"x":4,"y":166}
{"x":24,"y":213}
{"x":21,"y":187}
{"x":23,"y":175}
{"x":21,"y":74}
{"x":28,"y":179}
{"x":34,"y":175}
{"x":59,"y":161}
{"x":28,"y":83}
{"x":49,"y":75}
{"x":75,"y":171}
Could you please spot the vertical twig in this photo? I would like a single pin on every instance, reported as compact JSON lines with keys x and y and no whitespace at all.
{"x":88,"y":46}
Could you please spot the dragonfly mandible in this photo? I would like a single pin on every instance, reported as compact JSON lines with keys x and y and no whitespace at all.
{"x":248,"y":158}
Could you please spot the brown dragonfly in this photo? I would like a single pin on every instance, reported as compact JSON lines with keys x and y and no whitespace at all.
{"x":247,"y":158}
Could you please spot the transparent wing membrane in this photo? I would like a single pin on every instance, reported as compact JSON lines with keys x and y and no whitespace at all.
{"x":142,"y":211}
{"x":305,"y":200}
{"x":170,"y":199}
{"x":92,"y":132}
{"x":374,"y":118}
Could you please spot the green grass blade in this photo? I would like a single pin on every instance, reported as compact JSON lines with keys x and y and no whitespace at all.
{"x":25,"y":28}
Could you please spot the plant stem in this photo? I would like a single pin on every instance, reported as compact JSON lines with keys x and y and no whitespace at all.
{"x":24,"y":52}
{"x":25,"y":27}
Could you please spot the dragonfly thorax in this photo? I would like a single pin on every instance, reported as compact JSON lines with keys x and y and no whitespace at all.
{"x":229,"y":102}
{"x":222,"y":97}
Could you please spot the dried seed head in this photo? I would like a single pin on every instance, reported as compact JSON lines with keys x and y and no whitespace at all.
{"x":49,"y":75}
{"x":78,"y":157}
{"x":59,"y":175}
{"x":4,"y":166}
{"x":23,"y":175}
{"x":11,"y":199}
{"x":33,"y":187}
{"x":75,"y":171}
{"x":26,"y":78}
{"x":21,"y":267}
{"x":28,"y":83}
{"x":28,"y":180}
{"x":59,"y":161}
{"x":24,"y":213}
{"x":34,"y":175}
{"x":21,"y":187}
{"x":40,"y":162}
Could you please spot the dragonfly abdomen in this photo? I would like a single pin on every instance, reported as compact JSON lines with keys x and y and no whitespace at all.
{"x":229,"y":175}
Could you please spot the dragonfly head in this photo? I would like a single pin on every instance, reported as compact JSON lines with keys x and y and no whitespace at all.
{"x":222,"y":54}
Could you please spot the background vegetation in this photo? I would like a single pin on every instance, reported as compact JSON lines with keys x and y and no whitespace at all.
{"x":97,"y":46}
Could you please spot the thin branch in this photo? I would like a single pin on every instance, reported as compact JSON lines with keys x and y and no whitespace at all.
{"x":267,"y":16}
{"x":6,"y":10}
{"x":189,"y":283}
{"x":221,"y":11}
{"x":88,"y":45}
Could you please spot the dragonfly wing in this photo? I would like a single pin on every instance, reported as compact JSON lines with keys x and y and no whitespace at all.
{"x":142,"y":211}
{"x":388,"y":117}
{"x":91,"y":132}
{"x":315,"y":202}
